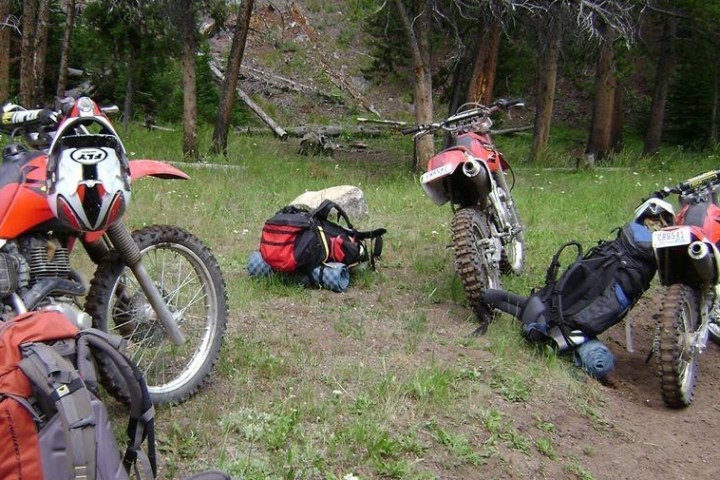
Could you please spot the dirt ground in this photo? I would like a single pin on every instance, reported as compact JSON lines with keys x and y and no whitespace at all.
{"x":651,"y":441}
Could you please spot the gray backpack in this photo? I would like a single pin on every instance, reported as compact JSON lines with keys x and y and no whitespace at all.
{"x":58,"y":427}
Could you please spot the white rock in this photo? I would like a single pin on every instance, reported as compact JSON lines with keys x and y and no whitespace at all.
{"x":348,"y":197}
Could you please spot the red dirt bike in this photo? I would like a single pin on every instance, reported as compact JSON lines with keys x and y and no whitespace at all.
{"x":159,"y":287}
{"x":471,"y":174}
{"x":688,"y":261}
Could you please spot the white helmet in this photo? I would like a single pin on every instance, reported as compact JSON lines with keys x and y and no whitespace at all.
{"x":88,"y":176}
{"x":655,"y":209}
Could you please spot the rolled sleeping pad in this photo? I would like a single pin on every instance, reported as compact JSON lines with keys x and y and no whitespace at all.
{"x":257,"y":267}
{"x":595,"y":358}
{"x":333,"y":276}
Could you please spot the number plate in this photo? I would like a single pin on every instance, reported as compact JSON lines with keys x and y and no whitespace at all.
{"x":428,"y":177}
{"x":671,"y":238}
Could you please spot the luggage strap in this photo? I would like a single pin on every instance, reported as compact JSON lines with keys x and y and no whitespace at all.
{"x":58,"y":380}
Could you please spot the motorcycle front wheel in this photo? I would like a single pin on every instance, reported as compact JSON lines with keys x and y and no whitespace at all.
{"x":189,"y":279}
{"x":475,"y":249}
{"x":676,"y":356}
{"x":512,"y":259}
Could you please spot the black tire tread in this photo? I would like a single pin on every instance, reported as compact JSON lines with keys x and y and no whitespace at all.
{"x":467,"y":267}
{"x":669,"y":338}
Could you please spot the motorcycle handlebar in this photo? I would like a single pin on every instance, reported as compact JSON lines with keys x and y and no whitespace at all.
{"x":688,"y":185}
{"x":456,"y":120}
{"x":28,"y":118}
{"x":17,"y":117}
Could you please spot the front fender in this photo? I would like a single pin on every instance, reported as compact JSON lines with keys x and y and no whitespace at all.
{"x":155,"y":168}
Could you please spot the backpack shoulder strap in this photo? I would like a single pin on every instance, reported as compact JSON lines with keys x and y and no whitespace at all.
{"x":323,"y":210}
{"x":552,"y":272}
{"x":57,"y":379}
{"x":141,"y":423}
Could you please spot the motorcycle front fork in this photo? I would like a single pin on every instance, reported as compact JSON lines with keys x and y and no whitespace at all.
{"x":119,"y":236}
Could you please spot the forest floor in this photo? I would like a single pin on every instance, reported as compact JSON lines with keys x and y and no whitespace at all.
{"x":636,"y":437}
{"x":648,"y":440}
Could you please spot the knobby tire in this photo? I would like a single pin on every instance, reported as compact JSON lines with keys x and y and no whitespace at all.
{"x":189,"y":278}
{"x":469,"y":225}
{"x":677,"y":363}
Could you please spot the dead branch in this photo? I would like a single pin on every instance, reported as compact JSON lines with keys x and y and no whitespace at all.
{"x":337,"y":78}
{"x":394,"y":123}
{"x":249,"y":102}
{"x":328,"y":131}
{"x":510,"y":131}
{"x":284,"y":84}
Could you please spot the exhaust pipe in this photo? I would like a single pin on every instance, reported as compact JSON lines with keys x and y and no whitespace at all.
{"x":476,"y":172}
{"x":702,"y":260}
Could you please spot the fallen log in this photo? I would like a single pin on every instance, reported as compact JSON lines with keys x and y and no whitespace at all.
{"x":509,"y":131}
{"x":285,"y":84}
{"x":394,"y":123}
{"x":250,"y":103}
{"x":329,"y":131}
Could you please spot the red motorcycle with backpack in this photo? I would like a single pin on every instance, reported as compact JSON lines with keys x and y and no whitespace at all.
{"x":160,"y":287}
{"x":471,"y":175}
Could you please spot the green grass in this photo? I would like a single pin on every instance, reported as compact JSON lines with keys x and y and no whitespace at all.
{"x":382,"y":381}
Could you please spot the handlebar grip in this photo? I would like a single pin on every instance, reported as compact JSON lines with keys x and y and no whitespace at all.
{"x":505,"y":104}
{"x":699,"y":180}
{"x":413,"y":130}
{"x":27,"y":118}
{"x":110,"y":109}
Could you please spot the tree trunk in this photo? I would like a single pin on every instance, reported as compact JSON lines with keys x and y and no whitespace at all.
{"x":599,"y":141}
{"x":189,"y":81}
{"x":545,"y":95}
{"x":5,"y":33}
{"x":461,"y":73}
{"x":419,"y":43}
{"x":665,"y":66}
{"x":130,"y":86}
{"x":485,"y":65}
{"x":715,"y":119}
{"x":227,"y":95}
{"x":66,"y":46}
{"x":41,"y":36}
{"x":27,"y":56}
{"x":618,"y":120}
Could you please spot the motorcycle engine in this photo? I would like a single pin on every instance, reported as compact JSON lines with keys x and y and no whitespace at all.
{"x":46,"y":258}
{"x":37,"y":269}
{"x":32,"y":258}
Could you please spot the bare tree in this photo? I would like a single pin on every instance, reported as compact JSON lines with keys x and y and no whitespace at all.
{"x":69,"y":9}
{"x":40,"y":48}
{"x":666,"y":63}
{"x":417,"y":34}
{"x":555,"y":19}
{"x":487,"y":50}
{"x":545,"y":92}
{"x":6,"y":28}
{"x":715,"y":121}
{"x":600,"y":138}
{"x":27,"y":55}
{"x":227,"y":95}
{"x":182,"y":17}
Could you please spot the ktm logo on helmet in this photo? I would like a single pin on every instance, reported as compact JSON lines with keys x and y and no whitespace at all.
{"x":88,"y":155}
